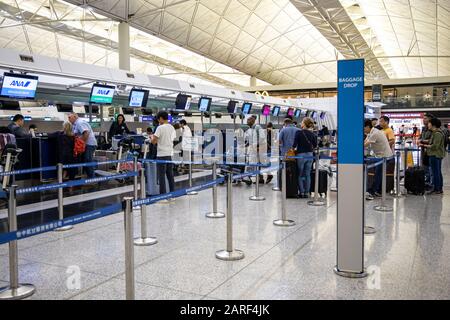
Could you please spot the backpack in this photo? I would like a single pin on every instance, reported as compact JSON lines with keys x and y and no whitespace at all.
{"x":79,"y":147}
{"x":446,"y":134}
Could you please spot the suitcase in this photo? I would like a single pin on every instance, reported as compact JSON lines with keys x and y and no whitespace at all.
{"x":103,"y":167}
{"x":390,"y":182}
{"x":323,"y":182}
{"x":415,"y":180}
{"x":291,"y":179}
{"x":151,"y":179}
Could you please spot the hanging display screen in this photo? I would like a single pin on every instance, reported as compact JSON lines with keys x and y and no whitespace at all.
{"x":204,"y":104}
{"x":19,"y":86}
{"x":102,"y":94}
{"x":266,"y":110}
{"x":246,"y":108}
{"x":138,"y":98}
{"x":276,"y":111}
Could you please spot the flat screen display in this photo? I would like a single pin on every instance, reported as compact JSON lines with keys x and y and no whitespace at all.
{"x":183,"y":102}
{"x":19,"y":86}
{"x":62,"y":107}
{"x":290,"y":112}
{"x":128,"y":110}
{"x":147,"y":112}
{"x":246,"y":108}
{"x":297,"y":113}
{"x":138,"y":98}
{"x":232,"y":106}
{"x":102,"y":94}
{"x":322,"y":115}
{"x":276,"y":111}
{"x":9,"y":105}
{"x":265,"y":110}
{"x":204,"y":104}
{"x":95,"y":109}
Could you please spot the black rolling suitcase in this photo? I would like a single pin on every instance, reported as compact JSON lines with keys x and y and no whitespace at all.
{"x":291,"y":179}
{"x":415,"y":180}
{"x":323,"y":182}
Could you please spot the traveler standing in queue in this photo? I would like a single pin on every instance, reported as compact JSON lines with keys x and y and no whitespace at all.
{"x":269,"y":129}
{"x":83,"y":130}
{"x":66,"y":143}
{"x":379,"y":145}
{"x":118,"y":127}
{"x":256,"y":143}
{"x":186,"y":134}
{"x":390,"y":135}
{"x":436,"y":153}
{"x":425,"y":137}
{"x":286,"y":139}
{"x":304,"y":144}
{"x":164,"y":138}
{"x":16,"y":127}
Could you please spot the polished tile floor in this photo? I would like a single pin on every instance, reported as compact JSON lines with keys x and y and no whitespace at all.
{"x":409,"y":255}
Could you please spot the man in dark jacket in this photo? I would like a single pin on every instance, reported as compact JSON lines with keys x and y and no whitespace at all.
{"x":16,"y":127}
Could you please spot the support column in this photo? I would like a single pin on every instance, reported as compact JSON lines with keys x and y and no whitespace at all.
{"x":124,"y":46}
{"x":252,"y":81}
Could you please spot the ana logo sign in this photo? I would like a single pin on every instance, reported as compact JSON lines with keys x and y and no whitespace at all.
{"x":103,"y":92}
{"x":20,"y":83}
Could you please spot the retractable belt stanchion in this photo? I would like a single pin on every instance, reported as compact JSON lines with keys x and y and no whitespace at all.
{"x":61,"y":199}
{"x":135,"y":181}
{"x":15,"y":291}
{"x":317,"y":202}
{"x":191,"y":193}
{"x":383,"y":207}
{"x":367,"y":229}
{"x":215,"y":213}
{"x":144,"y":240}
{"x":283,"y":222}
{"x":256,"y":196}
{"x":129,"y":249}
{"x":230,"y":254}
{"x":398,"y":192}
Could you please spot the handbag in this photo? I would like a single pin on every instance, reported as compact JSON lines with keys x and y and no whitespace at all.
{"x":79,"y":147}
{"x":289,"y":154}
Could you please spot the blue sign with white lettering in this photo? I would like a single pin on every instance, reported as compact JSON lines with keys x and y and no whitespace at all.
{"x":351,"y":111}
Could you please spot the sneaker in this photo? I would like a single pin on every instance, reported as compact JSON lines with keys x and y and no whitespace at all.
{"x":269,"y":178}
{"x":369,"y":197}
{"x":377,"y":194}
{"x":248,"y":182}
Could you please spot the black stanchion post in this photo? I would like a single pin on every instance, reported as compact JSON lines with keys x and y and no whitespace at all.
{"x":15,"y":291}
{"x":59,"y":167}
{"x":129,"y":249}
{"x":230,"y":254}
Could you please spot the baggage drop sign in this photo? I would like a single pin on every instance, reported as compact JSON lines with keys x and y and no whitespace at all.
{"x":350,"y":182}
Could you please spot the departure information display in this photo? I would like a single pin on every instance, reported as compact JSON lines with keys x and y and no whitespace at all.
{"x":19,"y":86}
{"x":102,"y":94}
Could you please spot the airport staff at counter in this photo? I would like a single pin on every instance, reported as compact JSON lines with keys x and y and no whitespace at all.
{"x":83,"y":130}
{"x":16,"y":127}
{"x":118,"y":127}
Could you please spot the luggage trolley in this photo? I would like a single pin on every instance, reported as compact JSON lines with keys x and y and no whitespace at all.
{"x":9,"y":158}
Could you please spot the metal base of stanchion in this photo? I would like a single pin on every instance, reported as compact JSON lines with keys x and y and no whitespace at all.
{"x":348,"y":274}
{"x":230,"y":255}
{"x":192,"y":193}
{"x":316,"y":203}
{"x":215,"y":215}
{"x":284,"y":223}
{"x":65,"y":228}
{"x":255,"y":198}
{"x":141,"y":242}
{"x":137,"y":208}
{"x":22,"y":292}
{"x":383,"y":208}
{"x":333,"y":189}
{"x":276,"y":189}
{"x":398,"y":196}
{"x":369,"y":230}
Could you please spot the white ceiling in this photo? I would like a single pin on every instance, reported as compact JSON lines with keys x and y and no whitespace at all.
{"x":224,"y":42}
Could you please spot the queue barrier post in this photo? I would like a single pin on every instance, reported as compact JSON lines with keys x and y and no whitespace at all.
{"x":144,"y":239}
{"x":230,"y":254}
{"x":383,"y":207}
{"x":15,"y":290}
{"x":129,"y":248}
{"x":191,"y":193}
{"x":59,"y":167}
{"x":283,"y":222}
{"x":257,"y":196}
{"x":317,"y":202}
{"x":215,"y":214}
{"x":135,"y":181}
{"x":367,"y":229}
{"x":398,"y":192}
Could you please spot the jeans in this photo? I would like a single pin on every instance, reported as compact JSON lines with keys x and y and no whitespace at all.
{"x":165,"y":169}
{"x":304,"y":173}
{"x":88,"y":156}
{"x":436,"y":169}
{"x":377,"y":179}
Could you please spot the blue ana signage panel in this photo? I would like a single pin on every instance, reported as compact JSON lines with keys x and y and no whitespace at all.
{"x":350,"y":111}
{"x":18,"y":86}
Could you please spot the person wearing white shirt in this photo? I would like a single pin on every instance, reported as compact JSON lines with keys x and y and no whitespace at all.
{"x":379,"y":145}
{"x":164,"y":137}
{"x":186,"y":133}
{"x":256,"y":142}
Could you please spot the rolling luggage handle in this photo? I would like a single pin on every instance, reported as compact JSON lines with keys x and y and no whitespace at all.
{"x":317,"y":202}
